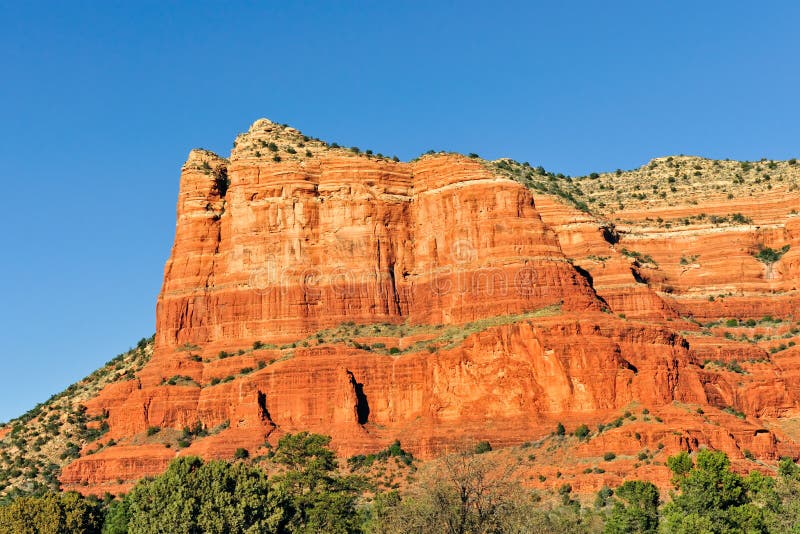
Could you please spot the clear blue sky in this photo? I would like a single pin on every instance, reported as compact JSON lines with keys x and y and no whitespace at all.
{"x":101,"y":101}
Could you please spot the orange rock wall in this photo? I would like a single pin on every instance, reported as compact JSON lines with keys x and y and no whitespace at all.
{"x":296,"y":247}
{"x":292,"y":247}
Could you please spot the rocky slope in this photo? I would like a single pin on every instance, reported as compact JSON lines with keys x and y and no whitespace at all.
{"x":35,"y":447}
{"x":450,"y":300}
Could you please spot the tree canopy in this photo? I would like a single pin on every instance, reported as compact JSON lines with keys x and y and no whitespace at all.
{"x":52,"y":513}
{"x":470,"y":492}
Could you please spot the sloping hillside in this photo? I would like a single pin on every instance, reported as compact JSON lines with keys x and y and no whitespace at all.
{"x":35,"y":446}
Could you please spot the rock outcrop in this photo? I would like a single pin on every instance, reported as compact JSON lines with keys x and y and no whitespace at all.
{"x":449,"y":300}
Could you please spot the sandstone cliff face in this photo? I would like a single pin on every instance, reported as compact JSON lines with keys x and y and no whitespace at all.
{"x":306,"y":243}
{"x":439,"y":302}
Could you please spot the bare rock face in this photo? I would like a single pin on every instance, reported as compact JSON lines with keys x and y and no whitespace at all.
{"x":440,"y":302}
{"x":303,"y":244}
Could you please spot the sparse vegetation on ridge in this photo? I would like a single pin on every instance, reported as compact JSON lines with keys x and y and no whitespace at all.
{"x":665,"y":181}
{"x":49,"y":436}
{"x":670,"y":181}
{"x":440,"y":337}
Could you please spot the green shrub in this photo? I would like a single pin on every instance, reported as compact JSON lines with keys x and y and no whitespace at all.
{"x":638,"y":256}
{"x":482,"y":447}
{"x":609,"y":456}
{"x":769,"y":255}
{"x":734,"y":366}
{"x":734,"y":411}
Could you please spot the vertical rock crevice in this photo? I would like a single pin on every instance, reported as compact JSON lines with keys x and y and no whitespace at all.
{"x":362,"y":404}
{"x":263,"y":412}
{"x":395,"y":295}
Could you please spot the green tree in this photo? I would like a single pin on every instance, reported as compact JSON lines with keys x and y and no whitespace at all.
{"x":781,"y":498}
{"x":712,"y":499}
{"x":118,"y":516}
{"x":193,"y":496}
{"x":635,"y":509}
{"x":52,"y":513}
{"x":680,"y":465}
{"x":314,"y":497}
{"x":221,"y":497}
{"x":769,"y":255}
